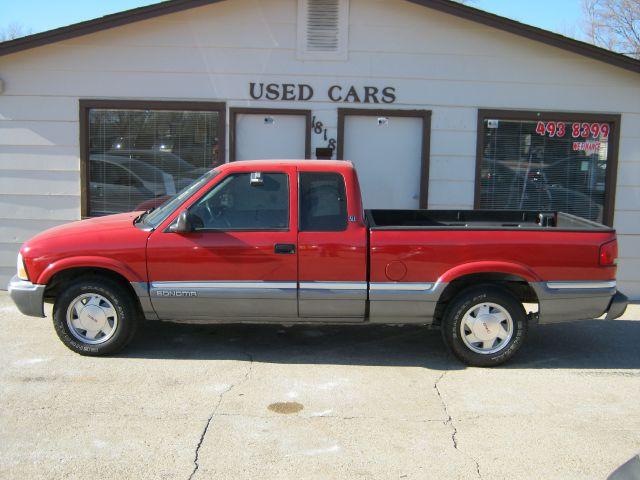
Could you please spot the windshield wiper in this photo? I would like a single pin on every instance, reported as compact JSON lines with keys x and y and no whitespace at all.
{"x":140,"y":218}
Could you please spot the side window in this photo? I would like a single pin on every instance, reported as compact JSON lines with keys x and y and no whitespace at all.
{"x":323,"y":202}
{"x":245,"y":201}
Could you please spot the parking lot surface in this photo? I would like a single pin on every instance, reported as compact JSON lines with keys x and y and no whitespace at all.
{"x":316,"y":402}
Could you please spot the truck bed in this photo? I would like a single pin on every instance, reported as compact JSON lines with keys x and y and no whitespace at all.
{"x":478,"y":220}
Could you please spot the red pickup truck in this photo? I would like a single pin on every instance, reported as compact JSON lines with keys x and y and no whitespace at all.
{"x":289,"y":241}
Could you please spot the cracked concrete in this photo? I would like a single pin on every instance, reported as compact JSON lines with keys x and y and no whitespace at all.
{"x":449,"y":421}
{"x":196,"y":465}
{"x":377,"y":402}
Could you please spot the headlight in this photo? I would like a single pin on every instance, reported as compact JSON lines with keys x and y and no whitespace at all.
{"x":22,"y":271}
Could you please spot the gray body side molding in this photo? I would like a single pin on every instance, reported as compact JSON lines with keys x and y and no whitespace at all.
{"x":568,"y":301}
{"x":346,"y":302}
{"x":142,"y":290}
{"x":391,"y":302}
{"x":177,"y":301}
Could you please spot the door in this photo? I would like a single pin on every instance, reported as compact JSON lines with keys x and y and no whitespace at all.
{"x":333,"y":249}
{"x":270,"y":134}
{"x":240,"y":261}
{"x":390,"y":152}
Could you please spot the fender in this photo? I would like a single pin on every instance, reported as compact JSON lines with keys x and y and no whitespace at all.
{"x":489,"y":266}
{"x":88,"y":261}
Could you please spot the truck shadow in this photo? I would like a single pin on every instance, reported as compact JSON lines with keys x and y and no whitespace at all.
{"x":593,"y":344}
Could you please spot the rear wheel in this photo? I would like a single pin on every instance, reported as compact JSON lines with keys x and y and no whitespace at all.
{"x":95,"y":316}
{"x":484,"y":326}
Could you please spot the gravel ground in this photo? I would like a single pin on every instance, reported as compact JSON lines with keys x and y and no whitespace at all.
{"x":317,"y":402}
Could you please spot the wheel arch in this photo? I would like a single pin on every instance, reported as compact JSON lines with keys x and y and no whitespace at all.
{"x":65,"y":276}
{"x":88,"y":262}
{"x":512,"y":280}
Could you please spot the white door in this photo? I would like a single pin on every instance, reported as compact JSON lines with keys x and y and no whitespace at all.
{"x":270,"y":136}
{"x":387,"y":153}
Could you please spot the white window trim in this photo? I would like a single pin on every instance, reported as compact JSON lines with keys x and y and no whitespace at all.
{"x":343,"y":35}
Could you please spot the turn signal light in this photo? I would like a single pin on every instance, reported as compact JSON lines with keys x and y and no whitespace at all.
{"x":609,"y":253}
{"x":22,"y":271}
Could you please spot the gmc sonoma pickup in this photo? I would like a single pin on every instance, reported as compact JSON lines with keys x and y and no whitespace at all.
{"x":289,"y":241}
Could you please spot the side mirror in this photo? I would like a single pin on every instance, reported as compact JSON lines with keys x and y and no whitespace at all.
{"x":182,"y":224}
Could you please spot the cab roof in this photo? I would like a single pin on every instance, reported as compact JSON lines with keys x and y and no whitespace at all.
{"x":317,"y":165}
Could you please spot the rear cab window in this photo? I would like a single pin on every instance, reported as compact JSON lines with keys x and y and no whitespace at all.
{"x":323,"y":202}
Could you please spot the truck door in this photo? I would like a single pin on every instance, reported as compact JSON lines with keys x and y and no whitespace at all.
{"x":332,"y":249}
{"x":240,"y":260}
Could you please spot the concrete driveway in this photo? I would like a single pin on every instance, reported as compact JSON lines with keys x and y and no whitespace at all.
{"x":317,"y":402}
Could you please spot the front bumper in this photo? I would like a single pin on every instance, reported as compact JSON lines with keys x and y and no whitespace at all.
{"x":617,"y":306}
{"x":28,"y":297}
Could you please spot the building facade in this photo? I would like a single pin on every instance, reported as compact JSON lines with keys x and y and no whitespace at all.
{"x":439,"y":106}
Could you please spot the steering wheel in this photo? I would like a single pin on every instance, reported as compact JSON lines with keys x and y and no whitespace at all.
{"x":217,"y":216}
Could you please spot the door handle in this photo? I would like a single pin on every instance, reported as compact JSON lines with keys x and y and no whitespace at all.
{"x":285,"y":248}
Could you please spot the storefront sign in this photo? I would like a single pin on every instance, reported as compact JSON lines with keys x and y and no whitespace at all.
{"x":586,"y":146}
{"x":578,"y":130}
{"x":302,"y":92}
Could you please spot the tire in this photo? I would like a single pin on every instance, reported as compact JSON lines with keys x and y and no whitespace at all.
{"x":461,"y":319}
{"x":113,"y":316}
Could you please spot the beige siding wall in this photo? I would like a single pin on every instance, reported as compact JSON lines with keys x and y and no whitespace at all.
{"x":435,"y":61}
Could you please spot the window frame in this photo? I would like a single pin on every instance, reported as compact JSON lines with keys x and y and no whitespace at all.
{"x":232,"y":174}
{"x":85,"y":105}
{"x":346,"y":202}
{"x":608,"y":208}
{"x":233,"y":119}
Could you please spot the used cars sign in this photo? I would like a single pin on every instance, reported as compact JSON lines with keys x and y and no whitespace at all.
{"x":336,"y":93}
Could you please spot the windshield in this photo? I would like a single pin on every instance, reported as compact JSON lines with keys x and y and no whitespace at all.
{"x":157,"y":216}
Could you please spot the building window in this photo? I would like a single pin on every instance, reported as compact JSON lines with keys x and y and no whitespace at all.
{"x":323,"y":29}
{"x":547,"y":161}
{"x":136,"y":155}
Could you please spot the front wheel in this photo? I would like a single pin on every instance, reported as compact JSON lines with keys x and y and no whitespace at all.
{"x":95,"y":316}
{"x":484,"y":326}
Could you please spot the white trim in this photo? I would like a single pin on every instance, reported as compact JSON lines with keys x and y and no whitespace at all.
{"x":581,"y":285}
{"x":228,"y":285}
{"x":395,"y":286}
{"x":333,"y":285}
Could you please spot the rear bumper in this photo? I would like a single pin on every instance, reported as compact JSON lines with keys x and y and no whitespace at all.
{"x":569,"y":301}
{"x":28,"y":297}
{"x":617,"y":307}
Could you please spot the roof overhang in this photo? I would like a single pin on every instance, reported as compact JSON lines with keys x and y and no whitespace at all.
{"x":445,"y":6}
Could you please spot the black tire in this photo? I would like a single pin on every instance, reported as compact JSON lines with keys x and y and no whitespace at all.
{"x":462,"y":303}
{"x":120,"y":298}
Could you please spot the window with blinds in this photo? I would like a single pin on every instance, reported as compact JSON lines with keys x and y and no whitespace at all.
{"x":137,"y":159}
{"x":545,"y":165}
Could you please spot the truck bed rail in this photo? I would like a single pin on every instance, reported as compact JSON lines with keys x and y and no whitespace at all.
{"x":479,"y":220}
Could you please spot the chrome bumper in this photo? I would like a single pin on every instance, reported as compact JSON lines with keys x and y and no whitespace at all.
{"x":28,"y":297}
